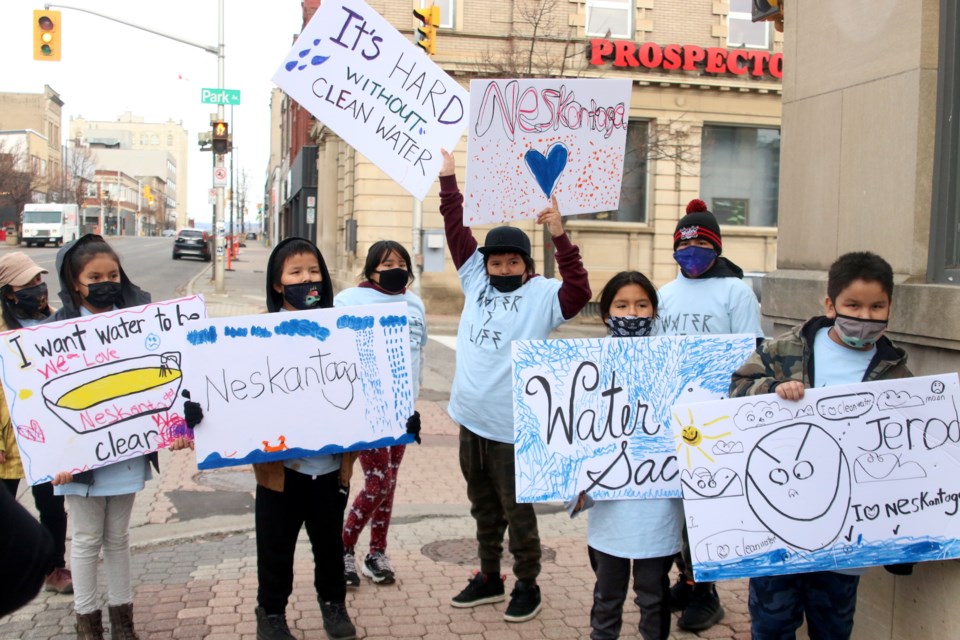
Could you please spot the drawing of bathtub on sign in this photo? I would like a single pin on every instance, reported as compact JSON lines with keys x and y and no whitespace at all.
{"x":104,"y":395}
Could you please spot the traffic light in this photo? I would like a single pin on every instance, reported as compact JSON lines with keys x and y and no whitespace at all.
{"x":766,"y":10}
{"x":221,"y":137}
{"x":46,"y":35}
{"x":427,"y":31}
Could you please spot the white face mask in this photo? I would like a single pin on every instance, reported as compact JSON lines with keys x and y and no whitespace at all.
{"x":858,"y":332}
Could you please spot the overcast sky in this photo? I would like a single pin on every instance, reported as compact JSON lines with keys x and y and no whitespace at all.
{"x":108,"y":68}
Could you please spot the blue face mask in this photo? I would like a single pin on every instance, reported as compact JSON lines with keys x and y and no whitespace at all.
{"x":694,"y":261}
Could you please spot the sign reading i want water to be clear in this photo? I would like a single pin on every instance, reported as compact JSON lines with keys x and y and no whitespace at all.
{"x":849,"y":476}
{"x":298,"y":384}
{"x":92,"y":391}
{"x":227,"y":97}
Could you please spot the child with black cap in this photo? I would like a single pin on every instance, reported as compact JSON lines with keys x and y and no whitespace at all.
{"x":505,"y":301}
{"x":707,"y":297}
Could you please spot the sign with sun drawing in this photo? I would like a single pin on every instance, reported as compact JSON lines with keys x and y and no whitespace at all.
{"x":594,"y":415}
{"x":850,"y":476}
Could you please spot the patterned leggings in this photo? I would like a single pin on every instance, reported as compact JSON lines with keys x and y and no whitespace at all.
{"x":375,"y":500}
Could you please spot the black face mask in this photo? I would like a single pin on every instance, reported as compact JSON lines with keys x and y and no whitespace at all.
{"x":31,"y":301}
{"x":303,"y":296}
{"x":629,"y":326}
{"x":103,"y":295}
{"x":506,"y":284}
{"x":394,"y":280}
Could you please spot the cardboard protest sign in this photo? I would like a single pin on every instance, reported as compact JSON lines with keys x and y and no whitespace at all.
{"x":849,"y":476}
{"x":529,"y":139}
{"x":290,"y":385}
{"x":594,"y":414}
{"x":375,"y":89}
{"x":89,"y":392}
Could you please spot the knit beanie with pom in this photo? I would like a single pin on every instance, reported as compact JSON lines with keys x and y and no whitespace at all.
{"x":698,"y":223}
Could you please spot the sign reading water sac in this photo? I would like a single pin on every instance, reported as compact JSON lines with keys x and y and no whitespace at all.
{"x":89,"y":392}
{"x":530,"y":139}
{"x":377,"y":90}
{"x":292,"y":385}
{"x":594,"y":414}
{"x":849,"y":476}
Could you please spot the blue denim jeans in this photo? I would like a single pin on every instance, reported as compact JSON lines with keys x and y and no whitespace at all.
{"x":779,"y":603}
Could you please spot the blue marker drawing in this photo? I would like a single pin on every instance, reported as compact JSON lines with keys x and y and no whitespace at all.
{"x":202,"y":336}
{"x":303,"y":53}
{"x":595,"y":414}
{"x":304,"y":328}
{"x":546,"y":170}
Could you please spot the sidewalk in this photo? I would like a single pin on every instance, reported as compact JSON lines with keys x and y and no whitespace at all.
{"x":194,"y":553}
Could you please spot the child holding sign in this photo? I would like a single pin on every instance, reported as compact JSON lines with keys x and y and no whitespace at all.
{"x":641,"y":533}
{"x":100,"y":501}
{"x":24,"y":300}
{"x":387,"y":275}
{"x":708,"y":296}
{"x":299,"y":492}
{"x":848,"y":346}
{"x":505,"y":301}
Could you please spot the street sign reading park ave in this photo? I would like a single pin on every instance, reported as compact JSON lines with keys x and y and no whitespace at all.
{"x":229,"y":97}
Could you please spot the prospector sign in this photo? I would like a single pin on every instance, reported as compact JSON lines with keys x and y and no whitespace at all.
{"x":687,"y":57}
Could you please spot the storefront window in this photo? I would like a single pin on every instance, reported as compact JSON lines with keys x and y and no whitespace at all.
{"x":633,"y":191}
{"x":742,"y":31}
{"x":610,"y":18}
{"x":447,"y":7}
{"x":740,"y":174}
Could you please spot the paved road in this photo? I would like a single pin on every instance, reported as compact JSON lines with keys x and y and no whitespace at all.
{"x":147,"y":261}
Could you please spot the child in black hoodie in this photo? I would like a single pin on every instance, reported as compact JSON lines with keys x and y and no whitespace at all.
{"x":301,"y":491}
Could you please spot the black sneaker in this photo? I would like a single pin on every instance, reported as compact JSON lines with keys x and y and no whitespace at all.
{"x":377,"y":567}
{"x":350,"y":577}
{"x":704,"y":609}
{"x":483,"y":588}
{"x":336,"y":621}
{"x":272,"y":627}
{"x":524,"y":603}
{"x":680,"y":593}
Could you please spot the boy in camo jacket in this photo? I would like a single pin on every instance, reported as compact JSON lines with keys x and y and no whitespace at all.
{"x":848,"y":345}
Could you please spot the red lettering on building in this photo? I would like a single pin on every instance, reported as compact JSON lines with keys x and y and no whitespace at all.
{"x":713,"y":60}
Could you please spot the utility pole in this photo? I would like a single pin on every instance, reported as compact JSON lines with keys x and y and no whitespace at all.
{"x":218,"y":264}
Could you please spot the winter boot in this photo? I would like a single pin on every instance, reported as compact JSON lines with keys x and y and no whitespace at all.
{"x":121,"y":622}
{"x":89,"y":626}
{"x":336,"y":621}
{"x":704,"y":609}
{"x":272,"y":626}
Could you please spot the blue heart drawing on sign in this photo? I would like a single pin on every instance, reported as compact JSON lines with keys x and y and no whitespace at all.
{"x":547,"y":170}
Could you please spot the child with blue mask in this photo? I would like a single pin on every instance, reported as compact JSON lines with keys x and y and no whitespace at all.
{"x":708,"y":296}
{"x":624,"y":537}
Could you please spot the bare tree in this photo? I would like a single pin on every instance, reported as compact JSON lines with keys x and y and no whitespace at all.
{"x":19,"y":179}
{"x":539,"y":46}
{"x":243,"y":189}
{"x":79,"y":171}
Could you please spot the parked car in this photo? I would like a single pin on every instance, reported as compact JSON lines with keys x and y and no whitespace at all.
{"x":251,"y":236}
{"x":168,"y":233}
{"x":193,"y":242}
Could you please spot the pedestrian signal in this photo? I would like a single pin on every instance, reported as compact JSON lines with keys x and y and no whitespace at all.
{"x":221,"y":137}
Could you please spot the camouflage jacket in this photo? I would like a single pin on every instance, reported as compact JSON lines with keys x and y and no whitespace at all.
{"x":790,"y":357}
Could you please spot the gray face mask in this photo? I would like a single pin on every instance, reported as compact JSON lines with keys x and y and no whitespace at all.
{"x":857,"y":332}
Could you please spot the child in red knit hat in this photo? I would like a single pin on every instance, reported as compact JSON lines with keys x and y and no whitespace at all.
{"x":708,"y":296}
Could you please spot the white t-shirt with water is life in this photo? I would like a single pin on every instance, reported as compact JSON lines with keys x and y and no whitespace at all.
{"x":481,"y":398}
